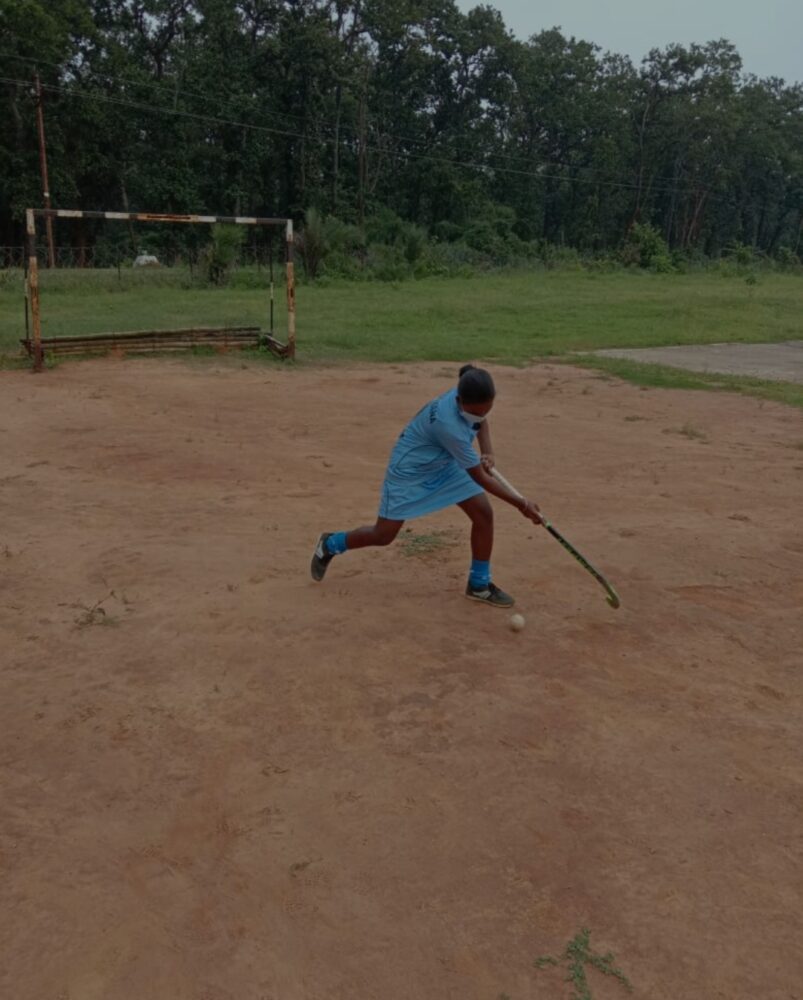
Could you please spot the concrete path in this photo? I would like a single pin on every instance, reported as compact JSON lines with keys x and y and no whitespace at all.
{"x":782,"y":362}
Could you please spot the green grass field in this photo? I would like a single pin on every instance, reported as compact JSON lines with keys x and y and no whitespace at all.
{"x":507,"y":317}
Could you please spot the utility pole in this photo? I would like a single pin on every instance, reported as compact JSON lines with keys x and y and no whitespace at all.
{"x":40,"y":121}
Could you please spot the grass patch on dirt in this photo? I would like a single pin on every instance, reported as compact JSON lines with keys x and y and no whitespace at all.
{"x":664,"y":377}
{"x":576,"y":957}
{"x":688,"y":431}
{"x":413,"y":544}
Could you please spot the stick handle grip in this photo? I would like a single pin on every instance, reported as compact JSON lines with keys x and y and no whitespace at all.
{"x":508,"y":486}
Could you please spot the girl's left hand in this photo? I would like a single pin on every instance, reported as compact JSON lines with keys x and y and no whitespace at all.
{"x":488,"y":462}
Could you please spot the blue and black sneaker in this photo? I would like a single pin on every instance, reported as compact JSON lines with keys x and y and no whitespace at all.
{"x":489,"y":593}
{"x":321,"y":558}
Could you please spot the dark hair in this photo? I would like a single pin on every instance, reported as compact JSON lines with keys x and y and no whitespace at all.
{"x":475,"y":385}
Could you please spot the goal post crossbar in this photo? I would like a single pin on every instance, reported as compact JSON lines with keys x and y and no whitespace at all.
{"x":32,"y":280}
{"x":239,"y":220}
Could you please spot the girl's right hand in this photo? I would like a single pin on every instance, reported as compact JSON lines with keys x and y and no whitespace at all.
{"x":531,"y":511}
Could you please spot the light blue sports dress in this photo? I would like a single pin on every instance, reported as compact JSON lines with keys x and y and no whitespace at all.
{"x":427,"y":467}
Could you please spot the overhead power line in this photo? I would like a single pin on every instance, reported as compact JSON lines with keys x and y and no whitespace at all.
{"x":311,"y":124}
{"x":316,"y":122}
{"x":535,"y":174}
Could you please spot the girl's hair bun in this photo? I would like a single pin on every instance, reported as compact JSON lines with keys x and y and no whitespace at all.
{"x":466,"y":368}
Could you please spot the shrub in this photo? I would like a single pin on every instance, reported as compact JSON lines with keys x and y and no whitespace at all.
{"x":342,"y":237}
{"x":415,"y":239}
{"x":387,"y":263}
{"x":221,"y":253}
{"x":662,"y":264}
{"x":447,"y":232}
{"x":787,"y":259}
{"x":553,"y":256}
{"x":740,"y":254}
{"x":645,"y":247}
{"x":603,"y":263}
{"x":385,"y":227}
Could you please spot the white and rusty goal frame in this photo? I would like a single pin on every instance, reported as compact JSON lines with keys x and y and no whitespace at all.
{"x":32,"y":276}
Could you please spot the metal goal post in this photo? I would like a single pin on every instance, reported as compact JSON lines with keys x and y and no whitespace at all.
{"x":32,"y":276}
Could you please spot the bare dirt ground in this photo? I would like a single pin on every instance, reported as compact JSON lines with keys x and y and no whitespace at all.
{"x":221,"y":781}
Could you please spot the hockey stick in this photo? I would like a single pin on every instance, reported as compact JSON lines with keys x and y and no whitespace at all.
{"x":611,"y":596}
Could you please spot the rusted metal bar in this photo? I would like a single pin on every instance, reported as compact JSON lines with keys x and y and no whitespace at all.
{"x":147,"y":347}
{"x":33,"y":291}
{"x":56,"y":344}
{"x":219,"y":332}
{"x":89,"y":346}
{"x":240,"y":220}
{"x":27,"y":300}
{"x":270,"y":270}
{"x":40,"y":124}
{"x":291,"y":292}
{"x":279,"y":349}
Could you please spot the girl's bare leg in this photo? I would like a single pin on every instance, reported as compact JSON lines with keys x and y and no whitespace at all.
{"x":381,"y":533}
{"x":481,"y":512}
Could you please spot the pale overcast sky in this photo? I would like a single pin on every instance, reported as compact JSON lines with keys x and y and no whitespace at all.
{"x":767,"y":33}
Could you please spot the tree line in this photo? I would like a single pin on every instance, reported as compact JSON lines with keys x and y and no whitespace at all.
{"x":403,"y":122}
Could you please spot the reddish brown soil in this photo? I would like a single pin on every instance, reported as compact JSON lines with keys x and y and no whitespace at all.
{"x":238,"y":785}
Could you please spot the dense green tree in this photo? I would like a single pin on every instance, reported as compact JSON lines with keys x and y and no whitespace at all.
{"x":404,"y":110}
